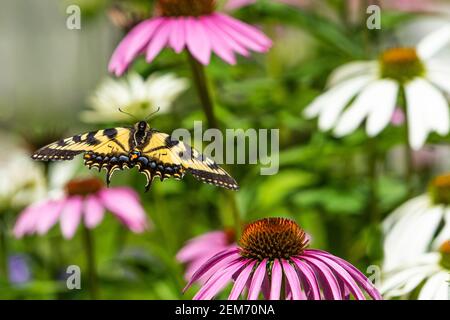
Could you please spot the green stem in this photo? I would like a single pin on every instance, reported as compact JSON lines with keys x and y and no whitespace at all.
{"x":88,"y":242}
{"x":198,"y":73}
{"x":3,"y":249}
{"x":373,"y":210}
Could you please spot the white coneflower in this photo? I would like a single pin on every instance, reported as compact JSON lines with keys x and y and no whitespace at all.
{"x":22,"y":181}
{"x":426,"y":277}
{"x":134,"y":95}
{"x":418,"y":226}
{"x":370,"y":90}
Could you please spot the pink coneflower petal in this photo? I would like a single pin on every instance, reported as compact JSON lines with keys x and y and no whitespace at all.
{"x":226,"y":38}
{"x":218,"y":281}
{"x":327,"y":279}
{"x":50,"y":216}
{"x":310,"y":278}
{"x":250,"y":32}
{"x":218,"y":266}
{"x":294,"y":283}
{"x":342,"y":274}
{"x":27,"y":220}
{"x":210,"y":263}
{"x":71,"y":216}
{"x":277,"y":275}
{"x":218,"y":44}
{"x":177,"y":39}
{"x":355,"y":273}
{"x":124,"y":204}
{"x":199,"y":245}
{"x":258,"y":277}
{"x":133,"y":44}
{"x":159,"y":40}
{"x":93,"y":211}
{"x":197,"y":40}
{"x":241,"y":281}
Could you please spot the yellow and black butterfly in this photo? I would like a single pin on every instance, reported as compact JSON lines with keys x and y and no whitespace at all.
{"x":154,"y":153}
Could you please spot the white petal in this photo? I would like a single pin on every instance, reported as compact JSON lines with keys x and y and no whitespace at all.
{"x":444,"y":234}
{"x":416,"y":98}
{"x":411,"y":235}
{"x":433,"y":42}
{"x":351,"y":70}
{"x":383,"y":107}
{"x":436,"y":287}
{"x":338,"y":101}
{"x":394,"y":284}
{"x":377,"y":101}
{"x":440,"y":79}
{"x":336,"y":98}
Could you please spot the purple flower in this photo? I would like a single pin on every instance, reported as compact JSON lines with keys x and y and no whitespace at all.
{"x":190,"y":24}
{"x":198,"y":250}
{"x":18,"y":270}
{"x":85,"y":202}
{"x":272,"y":258}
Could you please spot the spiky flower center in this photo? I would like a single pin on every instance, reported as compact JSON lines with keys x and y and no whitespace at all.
{"x":193,"y":8}
{"x":401,"y":64}
{"x":83,"y":187}
{"x":272,"y":238}
{"x":444,"y":249}
{"x":440,"y":189}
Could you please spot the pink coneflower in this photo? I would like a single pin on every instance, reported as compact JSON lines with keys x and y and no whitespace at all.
{"x":191,"y":24}
{"x":85,"y":201}
{"x":272,"y":258}
{"x":198,"y":250}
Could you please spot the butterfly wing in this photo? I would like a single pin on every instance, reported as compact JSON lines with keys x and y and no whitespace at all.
{"x":174,"y":158}
{"x":102,"y":142}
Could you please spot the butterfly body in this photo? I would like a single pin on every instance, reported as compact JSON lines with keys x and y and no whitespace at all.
{"x":153,"y":153}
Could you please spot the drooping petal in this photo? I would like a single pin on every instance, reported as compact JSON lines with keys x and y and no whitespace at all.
{"x":338,"y":100}
{"x":241,"y":281}
{"x":310,"y":277}
{"x":177,"y":38}
{"x":418,"y":127}
{"x":326,"y":278}
{"x":330,"y":104}
{"x":93,"y":211}
{"x":133,"y":43}
{"x":342,"y":274}
{"x":210,"y":264}
{"x":218,"y":45}
{"x":50,"y":215}
{"x":199,"y":245}
{"x":218,"y":281}
{"x":71,"y":216}
{"x":159,"y":39}
{"x":27,"y":220}
{"x":377,"y":101}
{"x":440,"y":79}
{"x":197,"y":40}
{"x":209,"y":21}
{"x":433,"y":42}
{"x":351,"y":70}
{"x":277,"y":279}
{"x":359,"y":277}
{"x":292,"y":278}
{"x":257,"y":279}
{"x":427,"y":111}
{"x":124,"y":204}
{"x":436,"y":287}
{"x":237,"y":36}
{"x":247,"y":30}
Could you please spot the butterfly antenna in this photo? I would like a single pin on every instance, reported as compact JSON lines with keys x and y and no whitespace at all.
{"x":128,"y":114}
{"x":151,"y":114}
